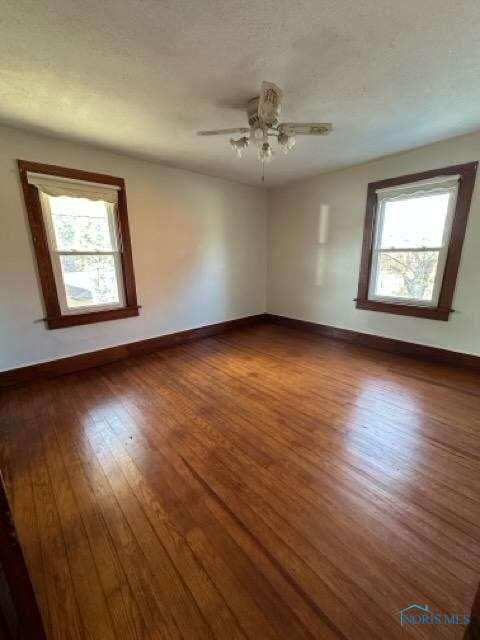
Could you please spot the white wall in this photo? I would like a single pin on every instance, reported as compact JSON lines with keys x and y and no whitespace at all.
{"x":313,"y":275}
{"x":199,"y":252}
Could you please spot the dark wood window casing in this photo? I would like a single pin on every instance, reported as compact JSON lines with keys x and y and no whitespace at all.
{"x":54,"y":317}
{"x":443,"y":308}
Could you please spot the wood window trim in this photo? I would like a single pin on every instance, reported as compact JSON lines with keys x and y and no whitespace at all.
{"x":467,"y":173}
{"x":54,"y":318}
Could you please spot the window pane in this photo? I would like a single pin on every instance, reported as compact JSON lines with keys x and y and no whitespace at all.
{"x":414,"y":222}
{"x":406,"y":274}
{"x":89,"y":280}
{"x":80,"y":224}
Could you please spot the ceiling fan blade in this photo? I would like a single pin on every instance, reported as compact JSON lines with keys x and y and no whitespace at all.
{"x":223,"y":132}
{"x":305,"y":128}
{"x":237,"y":106}
{"x":269,"y":103}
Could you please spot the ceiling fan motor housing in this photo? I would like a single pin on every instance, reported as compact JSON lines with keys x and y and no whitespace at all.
{"x":270,"y":115}
{"x":252,"y":113}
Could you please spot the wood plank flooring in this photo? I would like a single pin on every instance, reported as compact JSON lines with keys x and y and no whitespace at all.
{"x":260,"y":484}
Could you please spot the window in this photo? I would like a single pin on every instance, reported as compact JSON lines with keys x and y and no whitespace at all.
{"x":82,"y":243}
{"x":414,"y":230}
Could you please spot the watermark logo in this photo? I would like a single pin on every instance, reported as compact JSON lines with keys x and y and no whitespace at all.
{"x":415,"y":614}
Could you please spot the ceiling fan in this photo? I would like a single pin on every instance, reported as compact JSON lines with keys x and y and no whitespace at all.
{"x":263,"y":112}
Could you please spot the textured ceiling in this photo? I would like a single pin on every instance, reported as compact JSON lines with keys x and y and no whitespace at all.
{"x":142,"y":77}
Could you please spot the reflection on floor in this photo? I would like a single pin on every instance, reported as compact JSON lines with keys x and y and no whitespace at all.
{"x":260,"y":484}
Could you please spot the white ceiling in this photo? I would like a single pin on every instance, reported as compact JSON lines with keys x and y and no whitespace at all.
{"x":141,"y":77}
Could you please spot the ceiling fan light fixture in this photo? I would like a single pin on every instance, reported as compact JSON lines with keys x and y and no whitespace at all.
{"x":265,"y":152}
{"x":256,"y":135}
{"x":239,"y":146}
{"x":287,"y":143}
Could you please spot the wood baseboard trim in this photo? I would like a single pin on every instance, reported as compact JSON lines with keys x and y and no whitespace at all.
{"x":55,"y":368}
{"x":71,"y":364}
{"x":390,"y":345}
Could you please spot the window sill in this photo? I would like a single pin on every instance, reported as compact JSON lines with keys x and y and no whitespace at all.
{"x":432,"y":313}
{"x":93,"y":316}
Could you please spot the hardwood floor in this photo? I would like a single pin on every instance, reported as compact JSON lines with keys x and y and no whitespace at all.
{"x":260,"y":484}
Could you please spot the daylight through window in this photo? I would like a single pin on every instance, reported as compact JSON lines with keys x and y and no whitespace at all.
{"x":83,"y":240}
{"x":80,"y":220}
{"x":412,"y":233}
{"x":412,"y":241}
{"x":79,"y":225}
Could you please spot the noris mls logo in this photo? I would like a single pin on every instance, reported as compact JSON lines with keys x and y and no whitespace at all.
{"x":415,"y":614}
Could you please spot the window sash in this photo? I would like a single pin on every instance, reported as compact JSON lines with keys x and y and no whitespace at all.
{"x":52,"y":240}
{"x":61,"y":286}
{"x":411,"y":191}
{"x":56,"y":254}
{"x":432,"y":302}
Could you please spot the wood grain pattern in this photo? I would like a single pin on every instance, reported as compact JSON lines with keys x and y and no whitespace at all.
{"x":391,"y":345}
{"x":260,"y":483}
{"x":25,"y":619}
{"x":53,"y":368}
{"x":59,"y":367}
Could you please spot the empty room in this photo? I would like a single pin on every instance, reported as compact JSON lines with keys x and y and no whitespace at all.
{"x":239,"y":320}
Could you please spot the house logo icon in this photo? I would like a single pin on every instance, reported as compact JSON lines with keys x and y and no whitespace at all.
{"x":415,"y":614}
{"x":408,"y":614}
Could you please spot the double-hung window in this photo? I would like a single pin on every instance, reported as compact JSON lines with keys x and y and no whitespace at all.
{"x":412,"y":242}
{"x":80,"y":231}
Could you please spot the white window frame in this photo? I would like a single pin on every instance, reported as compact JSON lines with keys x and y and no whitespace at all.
{"x":56,"y":254}
{"x":438,"y":185}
